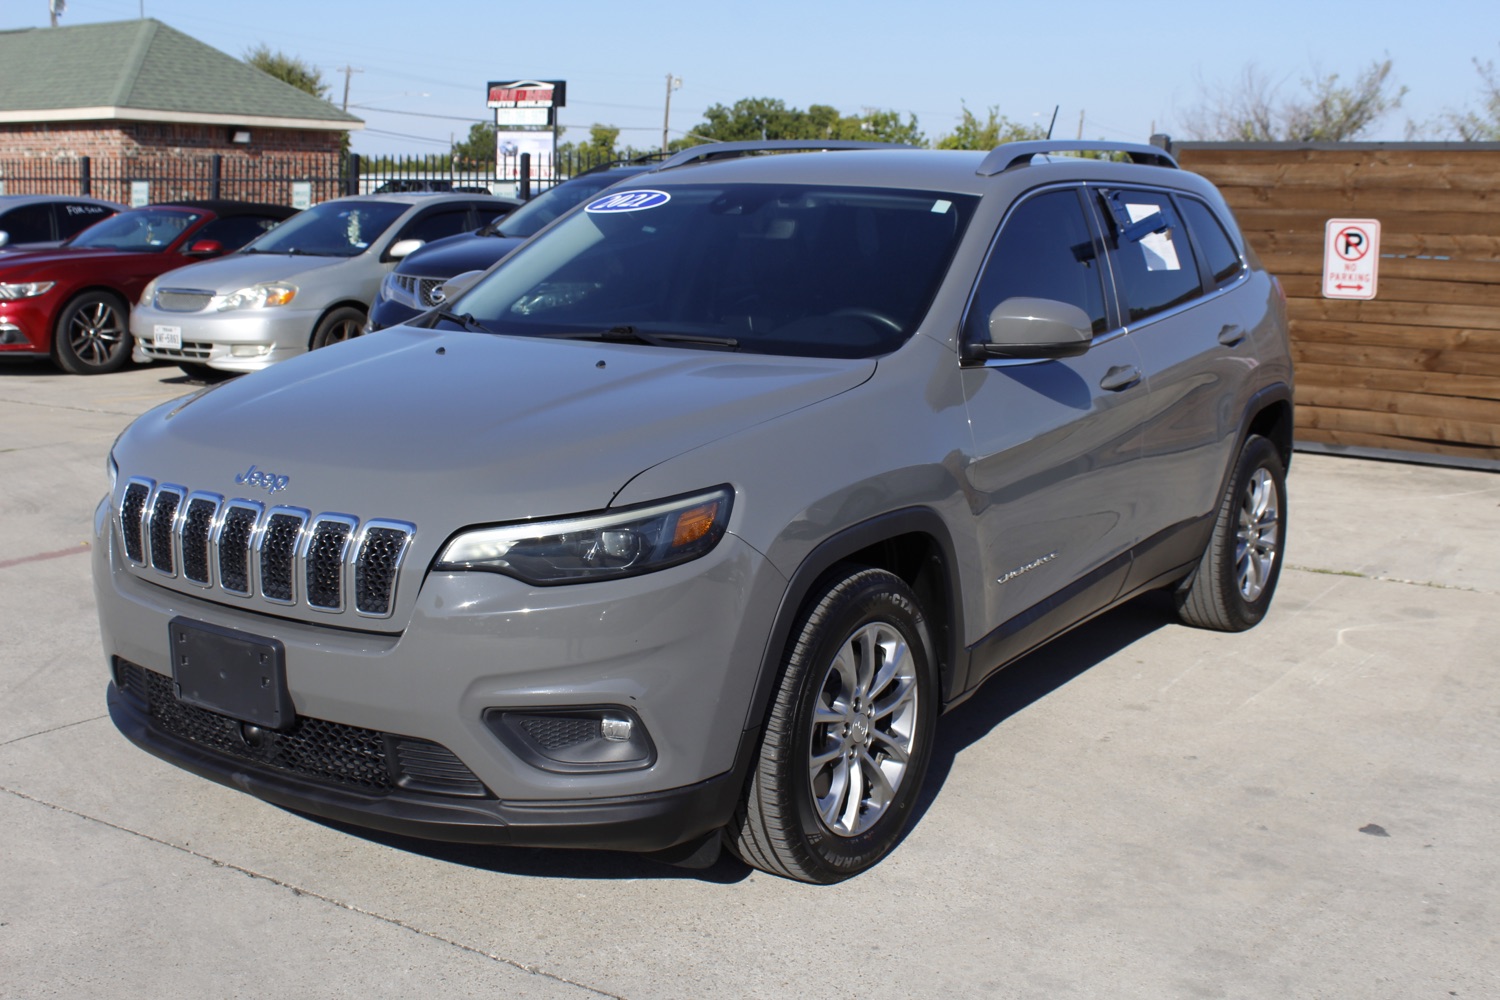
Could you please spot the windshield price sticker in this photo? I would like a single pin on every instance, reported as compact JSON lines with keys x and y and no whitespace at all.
{"x":1351,"y":253}
{"x":628,"y":201}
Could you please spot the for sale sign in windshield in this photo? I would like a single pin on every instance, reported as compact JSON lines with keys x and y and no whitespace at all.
{"x":1351,"y":253}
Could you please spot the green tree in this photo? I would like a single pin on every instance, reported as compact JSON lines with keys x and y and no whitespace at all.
{"x":754,"y":119}
{"x":288,"y":69}
{"x":994,"y":130}
{"x":478,"y":148}
{"x":1328,"y":110}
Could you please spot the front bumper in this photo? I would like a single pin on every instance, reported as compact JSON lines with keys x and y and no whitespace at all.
{"x":243,"y":340}
{"x":26,"y":326}
{"x":679,"y":650}
{"x":646,"y":822}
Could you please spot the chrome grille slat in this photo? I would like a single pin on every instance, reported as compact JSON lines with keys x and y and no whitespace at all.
{"x":283,"y":555}
{"x":278,"y":554}
{"x":161,"y":527}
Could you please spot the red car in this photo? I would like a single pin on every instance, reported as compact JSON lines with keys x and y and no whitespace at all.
{"x":72,"y":302}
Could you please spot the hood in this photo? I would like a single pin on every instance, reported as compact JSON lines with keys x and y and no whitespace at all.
{"x":238,"y":270}
{"x":448,"y":429}
{"x":39,"y":260}
{"x":453,"y":255}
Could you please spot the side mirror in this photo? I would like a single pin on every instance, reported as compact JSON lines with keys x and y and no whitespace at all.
{"x":401,"y":248}
{"x":205,"y":248}
{"x":456,"y":286}
{"x":1027,"y":328}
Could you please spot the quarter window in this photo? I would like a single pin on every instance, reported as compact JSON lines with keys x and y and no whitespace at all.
{"x":1154,"y":261}
{"x":1044,"y":251}
{"x":1219,"y":254}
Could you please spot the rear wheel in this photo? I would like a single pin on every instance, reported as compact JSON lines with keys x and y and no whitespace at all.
{"x":1232,"y":587}
{"x":344,"y":323}
{"x":92,"y":335}
{"x":849,"y":734}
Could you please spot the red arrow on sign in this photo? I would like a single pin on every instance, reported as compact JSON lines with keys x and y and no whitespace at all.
{"x":1355,"y":287}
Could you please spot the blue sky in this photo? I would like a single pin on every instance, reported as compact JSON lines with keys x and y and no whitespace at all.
{"x":1124,"y":68}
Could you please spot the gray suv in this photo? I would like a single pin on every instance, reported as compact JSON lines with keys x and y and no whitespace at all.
{"x":684,"y":524}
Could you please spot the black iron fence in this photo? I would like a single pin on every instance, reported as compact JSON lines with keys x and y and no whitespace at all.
{"x":281,"y":180}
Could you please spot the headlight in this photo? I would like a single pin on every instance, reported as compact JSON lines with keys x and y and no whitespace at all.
{"x":393,"y":289}
{"x":273,"y":293}
{"x":26,"y":289}
{"x":601,"y":546}
{"x":148,"y":294}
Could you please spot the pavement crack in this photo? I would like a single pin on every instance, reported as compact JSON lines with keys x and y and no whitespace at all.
{"x":321,"y":897}
{"x":1379,"y":578}
{"x":54,"y":729}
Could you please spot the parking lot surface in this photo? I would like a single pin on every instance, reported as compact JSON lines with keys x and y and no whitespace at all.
{"x":1139,"y":810}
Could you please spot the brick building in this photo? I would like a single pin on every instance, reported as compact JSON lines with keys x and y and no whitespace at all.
{"x":140,"y":99}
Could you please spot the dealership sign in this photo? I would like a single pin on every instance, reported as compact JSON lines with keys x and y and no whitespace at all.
{"x":528,"y":94}
{"x":1351,"y":253}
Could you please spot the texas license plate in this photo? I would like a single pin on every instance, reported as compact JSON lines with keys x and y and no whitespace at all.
{"x":231,"y":672}
{"x":167,"y":336}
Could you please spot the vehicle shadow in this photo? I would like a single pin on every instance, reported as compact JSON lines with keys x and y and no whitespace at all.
{"x":1023,"y":683}
{"x":1036,"y":675}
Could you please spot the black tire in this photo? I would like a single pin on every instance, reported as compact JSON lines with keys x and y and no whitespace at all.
{"x":204,"y":374}
{"x":1232,"y":587}
{"x":343,"y":323}
{"x":92,"y":336}
{"x":794,"y":820}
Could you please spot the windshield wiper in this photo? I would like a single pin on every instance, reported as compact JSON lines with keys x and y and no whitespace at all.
{"x":465,"y":320}
{"x":631,"y":335}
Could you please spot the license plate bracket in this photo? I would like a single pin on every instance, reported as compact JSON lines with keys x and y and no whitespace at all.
{"x":230,"y":672}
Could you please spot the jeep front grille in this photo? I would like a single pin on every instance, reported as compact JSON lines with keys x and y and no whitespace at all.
{"x":284,"y":555}
{"x":364,"y":760}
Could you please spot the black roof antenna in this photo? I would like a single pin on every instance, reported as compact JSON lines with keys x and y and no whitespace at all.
{"x":1053,"y":124}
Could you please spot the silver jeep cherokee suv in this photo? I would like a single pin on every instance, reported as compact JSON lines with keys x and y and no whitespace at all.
{"x":687,"y":520}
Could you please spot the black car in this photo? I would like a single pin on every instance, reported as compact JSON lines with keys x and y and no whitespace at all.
{"x":409,"y":289}
{"x":32,"y":221}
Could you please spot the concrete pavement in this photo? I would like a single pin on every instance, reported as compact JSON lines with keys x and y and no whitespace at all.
{"x":1141,"y":810}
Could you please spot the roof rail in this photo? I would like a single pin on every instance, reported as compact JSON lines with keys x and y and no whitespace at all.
{"x":1019,"y":154}
{"x":728,"y":150}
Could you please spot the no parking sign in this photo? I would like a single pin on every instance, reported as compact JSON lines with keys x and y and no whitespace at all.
{"x":1351,"y":252}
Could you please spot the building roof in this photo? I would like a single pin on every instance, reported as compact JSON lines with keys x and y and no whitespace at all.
{"x":146,"y":71}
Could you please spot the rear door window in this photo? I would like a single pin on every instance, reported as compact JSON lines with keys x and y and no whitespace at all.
{"x":1153,"y":259}
{"x":74,"y":217}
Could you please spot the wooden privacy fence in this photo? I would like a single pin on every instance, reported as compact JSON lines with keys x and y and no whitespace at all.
{"x":1416,"y":370}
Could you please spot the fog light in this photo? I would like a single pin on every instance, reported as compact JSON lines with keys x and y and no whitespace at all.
{"x":602,"y":738}
{"x":249,"y":350}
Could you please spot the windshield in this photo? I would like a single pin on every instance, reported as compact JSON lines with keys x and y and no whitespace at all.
{"x":799,"y":270}
{"x":148,"y":230}
{"x":527,"y":220}
{"x":332,"y":229}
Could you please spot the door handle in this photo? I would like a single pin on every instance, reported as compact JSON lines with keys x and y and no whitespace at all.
{"x":1120,"y":377}
{"x":1231,"y":334}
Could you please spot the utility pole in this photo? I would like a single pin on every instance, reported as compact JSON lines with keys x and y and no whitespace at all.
{"x":673,"y":83}
{"x":54,"y":8}
{"x":1080,"y":123}
{"x":348,"y":71}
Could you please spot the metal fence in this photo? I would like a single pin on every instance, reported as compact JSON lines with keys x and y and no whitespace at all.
{"x":281,"y":180}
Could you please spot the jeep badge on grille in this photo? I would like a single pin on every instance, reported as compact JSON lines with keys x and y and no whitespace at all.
{"x":268,"y":481}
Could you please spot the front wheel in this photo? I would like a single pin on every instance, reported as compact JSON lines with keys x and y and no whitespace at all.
{"x":849,"y":734}
{"x":92,"y":335}
{"x":1232,"y":587}
{"x":344,"y":323}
